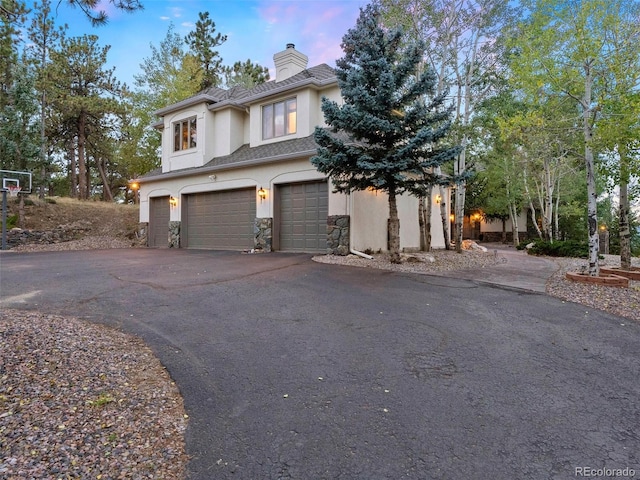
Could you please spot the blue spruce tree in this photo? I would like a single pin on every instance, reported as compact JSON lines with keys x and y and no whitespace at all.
{"x":392,"y":116}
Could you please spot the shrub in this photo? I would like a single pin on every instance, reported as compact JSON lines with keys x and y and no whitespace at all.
{"x":568,"y":248}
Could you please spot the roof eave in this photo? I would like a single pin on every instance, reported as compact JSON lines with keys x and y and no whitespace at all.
{"x":229,"y":166}
{"x":202,"y":98}
{"x":286,"y":88}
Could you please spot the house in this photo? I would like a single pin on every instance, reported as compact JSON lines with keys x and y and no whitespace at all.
{"x":236,"y":174}
{"x":477,"y":227}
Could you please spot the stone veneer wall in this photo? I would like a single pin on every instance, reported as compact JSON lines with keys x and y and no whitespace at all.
{"x":338,"y":234}
{"x":142,"y":235}
{"x":263,"y":234}
{"x":174,"y":234}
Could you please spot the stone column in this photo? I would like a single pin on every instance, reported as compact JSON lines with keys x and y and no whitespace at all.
{"x":263,"y":234}
{"x":338,"y":234}
{"x":142,"y":234}
{"x":174,"y":234}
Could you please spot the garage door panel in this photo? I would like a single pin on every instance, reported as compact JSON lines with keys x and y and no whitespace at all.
{"x":221,"y":220}
{"x":159,"y":212}
{"x":303,"y":210}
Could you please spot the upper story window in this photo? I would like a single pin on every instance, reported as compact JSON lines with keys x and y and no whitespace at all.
{"x":279,"y":119}
{"x":184,"y":134}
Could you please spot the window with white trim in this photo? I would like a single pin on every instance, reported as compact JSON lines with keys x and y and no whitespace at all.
{"x":185,"y":134}
{"x":279,"y":119}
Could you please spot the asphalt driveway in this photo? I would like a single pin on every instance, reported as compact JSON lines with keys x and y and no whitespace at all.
{"x":296,"y":370}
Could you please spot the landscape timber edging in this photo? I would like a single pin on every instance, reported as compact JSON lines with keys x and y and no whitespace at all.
{"x":632,"y":274}
{"x":610,"y":280}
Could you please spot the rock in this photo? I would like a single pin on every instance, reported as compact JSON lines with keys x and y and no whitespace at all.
{"x":472,"y":245}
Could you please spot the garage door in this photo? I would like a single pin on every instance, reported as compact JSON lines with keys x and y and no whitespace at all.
{"x":302,"y":222}
{"x":158,"y":222}
{"x":219,"y":220}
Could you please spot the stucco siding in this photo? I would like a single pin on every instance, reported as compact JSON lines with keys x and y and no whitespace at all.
{"x":193,"y":157}
{"x":332,"y":93}
{"x":369,"y":213}
{"x":265,"y":176}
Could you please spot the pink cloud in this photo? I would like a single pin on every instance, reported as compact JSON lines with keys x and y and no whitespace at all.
{"x":315,"y":27}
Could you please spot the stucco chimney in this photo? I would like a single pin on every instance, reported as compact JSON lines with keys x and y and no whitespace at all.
{"x":289,"y":62}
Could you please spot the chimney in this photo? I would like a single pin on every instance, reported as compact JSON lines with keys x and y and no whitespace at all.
{"x":289,"y":62}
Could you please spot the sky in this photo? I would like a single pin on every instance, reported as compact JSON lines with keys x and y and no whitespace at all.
{"x":255,"y":29}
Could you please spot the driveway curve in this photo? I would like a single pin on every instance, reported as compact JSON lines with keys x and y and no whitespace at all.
{"x":294,"y":369}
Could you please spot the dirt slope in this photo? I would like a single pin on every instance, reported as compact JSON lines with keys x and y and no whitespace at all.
{"x":93,"y":219}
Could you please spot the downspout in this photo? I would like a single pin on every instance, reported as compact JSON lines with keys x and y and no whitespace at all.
{"x":351,"y":250}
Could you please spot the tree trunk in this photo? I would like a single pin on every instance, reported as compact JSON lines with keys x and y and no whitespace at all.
{"x":82,"y":161}
{"x":532,"y":208}
{"x":513,"y":214}
{"x":548,"y":198}
{"x":426,"y":213}
{"x":106,"y":189}
{"x":459,"y":169}
{"x":504,"y":230}
{"x":444,"y":215}
{"x":625,"y":230}
{"x":394,"y":229}
{"x":73,"y":169}
{"x":592,"y":205}
{"x":421,"y":225}
{"x":556,"y":227}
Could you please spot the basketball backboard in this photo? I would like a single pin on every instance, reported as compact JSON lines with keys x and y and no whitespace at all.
{"x":14,"y":178}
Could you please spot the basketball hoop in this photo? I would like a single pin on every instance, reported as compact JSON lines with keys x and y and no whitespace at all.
{"x":13,"y":190}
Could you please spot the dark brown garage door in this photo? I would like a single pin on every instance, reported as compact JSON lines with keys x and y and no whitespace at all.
{"x":302,"y":222}
{"x":158,"y":222}
{"x":219,"y":220}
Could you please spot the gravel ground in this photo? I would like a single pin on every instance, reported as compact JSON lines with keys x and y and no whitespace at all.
{"x":619,"y":301}
{"x":79,"y":400}
{"x":86,"y":243}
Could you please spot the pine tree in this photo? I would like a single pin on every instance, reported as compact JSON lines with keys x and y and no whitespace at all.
{"x":202,"y":43}
{"x":98,"y":18}
{"x":246,"y":74}
{"x":83,"y":93}
{"x":394,"y":130}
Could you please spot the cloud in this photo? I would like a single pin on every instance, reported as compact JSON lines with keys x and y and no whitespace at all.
{"x":165,"y":18}
{"x":188,"y":24}
{"x":316,"y":27}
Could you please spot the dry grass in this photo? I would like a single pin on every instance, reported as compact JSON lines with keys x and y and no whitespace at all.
{"x":96,"y":218}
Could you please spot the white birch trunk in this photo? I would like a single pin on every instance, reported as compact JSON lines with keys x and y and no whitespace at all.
{"x":592,"y":204}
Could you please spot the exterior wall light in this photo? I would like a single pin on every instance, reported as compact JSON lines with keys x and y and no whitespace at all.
{"x":262,"y":193}
{"x":438,"y":199}
{"x":134,"y":186}
{"x":173,"y":201}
